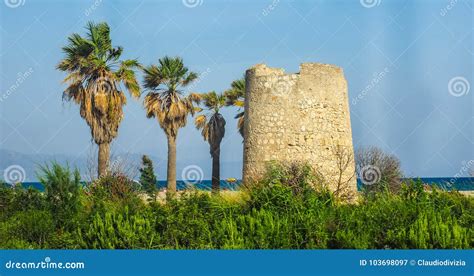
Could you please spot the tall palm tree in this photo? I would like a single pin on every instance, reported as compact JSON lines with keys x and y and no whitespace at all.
{"x":213,"y":130}
{"x":235,"y":96}
{"x":95,"y":74}
{"x":166,"y":102}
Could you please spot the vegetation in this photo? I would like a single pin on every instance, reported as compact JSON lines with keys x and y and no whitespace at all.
{"x":95,"y":73}
{"x":212,"y":126}
{"x":148,"y":178}
{"x":166,"y":103}
{"x":378,"y":169}
{"x":235,"y":96}
{"x":287,"y":209}
{"x":62,"y":192}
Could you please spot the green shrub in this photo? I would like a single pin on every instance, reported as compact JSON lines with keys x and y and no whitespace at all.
{"x":186,"y":222}
{"x":17,"y":199}
{"x":62,"y":191}
{"x":118,"y":231}
{"x":6,"y":200}
{"x":432,"y":231}
{"x":114,"y":191}
{"x":64,"y":240}
{"x":288,"y":209}
{"x":148,"y":178}
{"x":32,"y":226}
{"x":13,"y":243}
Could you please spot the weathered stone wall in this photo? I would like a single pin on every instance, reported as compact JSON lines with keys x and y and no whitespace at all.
{"x":297,"y":117}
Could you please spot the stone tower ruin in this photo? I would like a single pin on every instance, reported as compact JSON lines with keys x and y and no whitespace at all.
{"x":298,"y":117}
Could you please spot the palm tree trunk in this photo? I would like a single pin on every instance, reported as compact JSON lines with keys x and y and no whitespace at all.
{"x":104,"y":155}
{"x":171,"y":169}
{"x":216,"y":171}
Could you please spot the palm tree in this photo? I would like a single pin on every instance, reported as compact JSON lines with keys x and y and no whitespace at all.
{"x":236,"y":97}
{"x":165,"y":101}
{"x":213,"y":130}
{"x":95,"y":74}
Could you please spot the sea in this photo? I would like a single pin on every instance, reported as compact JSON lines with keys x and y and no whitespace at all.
{"x":445,"y":183}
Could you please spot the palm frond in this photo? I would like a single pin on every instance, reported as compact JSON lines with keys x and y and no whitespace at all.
{"x":239,"y":115}
{"x":94,"y":81}
{"x":127,"y":75}
{"x":240,"y":125}
{"x":195,"y":97}
{"x":165,"y":100}
{"x":200,"y":121}
{"x":236,"y":94}
{"x":212,"y":130}
{"x":189,"y":78}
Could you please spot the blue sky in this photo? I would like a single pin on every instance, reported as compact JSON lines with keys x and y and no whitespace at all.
{"x":399,"y":58}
